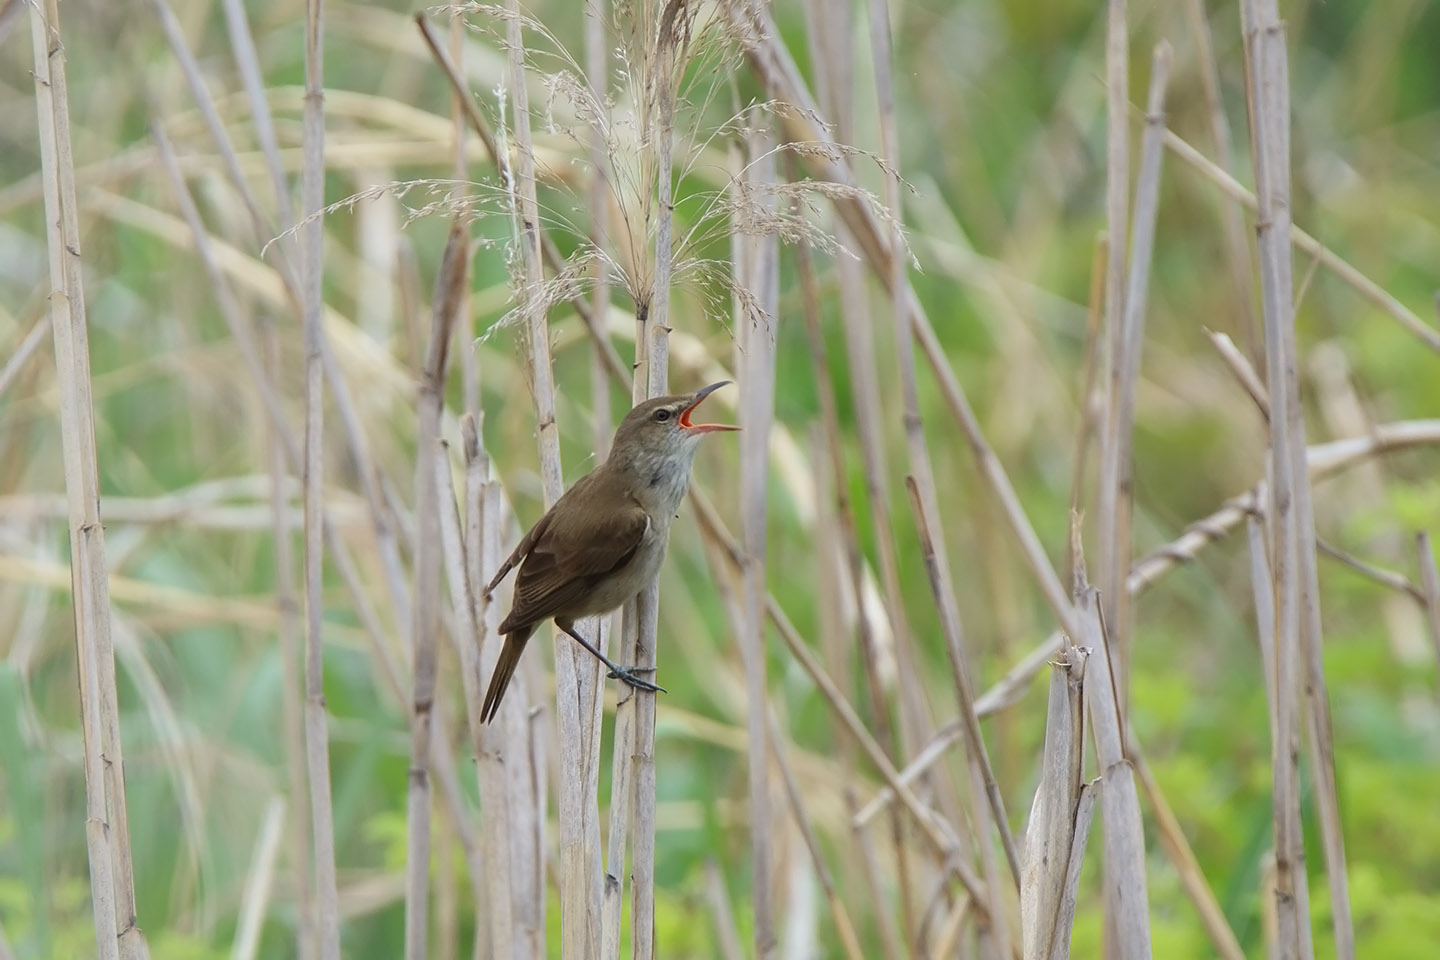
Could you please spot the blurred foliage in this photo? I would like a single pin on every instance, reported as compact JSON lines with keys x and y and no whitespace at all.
{"x":1002,"y":121}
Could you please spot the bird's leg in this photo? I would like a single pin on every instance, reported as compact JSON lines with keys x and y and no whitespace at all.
{"x":617,"y":672}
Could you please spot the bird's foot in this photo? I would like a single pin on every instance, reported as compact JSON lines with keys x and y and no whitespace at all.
{"x":630,"y":676}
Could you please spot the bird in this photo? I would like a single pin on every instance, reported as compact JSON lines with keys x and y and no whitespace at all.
{"x":605,"y":538}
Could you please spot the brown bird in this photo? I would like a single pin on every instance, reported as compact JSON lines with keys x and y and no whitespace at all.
{"x":604,"y":540}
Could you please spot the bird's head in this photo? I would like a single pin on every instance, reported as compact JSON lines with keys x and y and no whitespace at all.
{"x":659,"y":433}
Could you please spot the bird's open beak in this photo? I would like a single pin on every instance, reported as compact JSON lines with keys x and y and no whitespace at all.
{"x":700,"y":395}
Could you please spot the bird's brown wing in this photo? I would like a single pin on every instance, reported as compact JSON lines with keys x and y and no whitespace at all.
{"x":566,"y":560}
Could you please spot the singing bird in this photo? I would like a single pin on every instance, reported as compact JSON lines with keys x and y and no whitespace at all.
{"x":604,"y":540}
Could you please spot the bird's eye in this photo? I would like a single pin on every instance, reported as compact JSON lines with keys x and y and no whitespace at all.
{"x":662,"y":415}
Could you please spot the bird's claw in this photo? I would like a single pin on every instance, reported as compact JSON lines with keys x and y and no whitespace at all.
{"x":629,"y":676}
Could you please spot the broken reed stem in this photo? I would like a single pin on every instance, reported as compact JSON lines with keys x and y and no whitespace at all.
{"x":107,"y":832}
{"x":312,"y":238}
{"x":1051,"y":832}
{"x":450,"y":285}
{"x":1117,"y":472}
{"x":1126,"y":897}
{"x":757,"y":271}
{"x":1293,"y":522}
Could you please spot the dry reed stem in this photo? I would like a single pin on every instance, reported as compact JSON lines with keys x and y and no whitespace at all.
{"x":107,"y":831}
{"x":1293,"y":533}
{"x":577,"y":675}
{"x":659,"y":79}
{"x":1386,"y":578}
{"x":1126,"y":343}
{"x":256,"y":895}
{"x":604,"y":361}
{"x":247,"y":59}
{"x":1050,"y":833}
{"x":1237,"y":243}
{"x":317,"y":747}
{"x":1368,"y":289}
{"x":450,"y":285}
{"x":1430,"y":578}
{"x":986,"y":797}
{"x":1112,"y":495}
{"x":1091,"y":402}
{"x":465,"y":566}
{"x":1243,"y":370}
{"x":1065,"y":920}
{"x":1126,"y":898}
{"x":301,"y":852}
{"x":756,"y":261}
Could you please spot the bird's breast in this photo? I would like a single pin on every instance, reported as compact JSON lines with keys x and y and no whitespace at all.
{"x":625,"y":582}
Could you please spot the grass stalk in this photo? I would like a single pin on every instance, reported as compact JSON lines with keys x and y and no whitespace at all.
{"x":312,"y":237}
{"x":1293,"y":543}
{"x":107,"y":832}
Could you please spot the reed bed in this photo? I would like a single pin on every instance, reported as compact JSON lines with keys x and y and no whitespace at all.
{"x":309,"y":310}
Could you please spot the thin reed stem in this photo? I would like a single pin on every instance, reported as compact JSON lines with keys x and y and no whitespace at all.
{"x":107,"y":831}
{"x":312,"y":238}
{"x":1298,"y":636}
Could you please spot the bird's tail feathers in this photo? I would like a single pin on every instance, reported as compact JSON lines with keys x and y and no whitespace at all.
{"x":504,"y":670}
